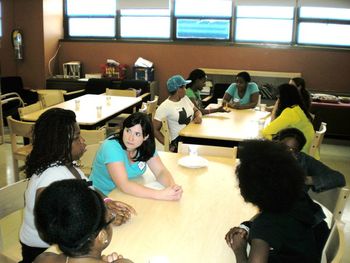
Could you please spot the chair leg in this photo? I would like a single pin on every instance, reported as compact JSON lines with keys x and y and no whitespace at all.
{"x":15,"y":169}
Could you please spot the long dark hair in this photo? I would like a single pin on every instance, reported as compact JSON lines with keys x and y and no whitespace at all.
{"x":148,"y":147}
{"x":289,"y":96}
{"x":72,"y":222}
{"x":305,"y":95}
{"x":53,"y":135}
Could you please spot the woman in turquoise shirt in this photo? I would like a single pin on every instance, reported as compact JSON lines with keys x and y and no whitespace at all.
{"x":243,"y":94}
{"x":126,"y":156}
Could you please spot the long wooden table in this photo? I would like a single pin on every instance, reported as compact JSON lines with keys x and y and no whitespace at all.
{"x":224,"y":129}
{"x":192,"y":229}
{"x":86,"y":113}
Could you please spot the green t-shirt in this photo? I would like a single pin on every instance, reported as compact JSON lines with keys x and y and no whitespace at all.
{"x":194,"y":95}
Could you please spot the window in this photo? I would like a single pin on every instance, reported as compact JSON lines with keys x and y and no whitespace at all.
{"x":235,"y":21}
{"x":145,"y":23}
{"x":331,"y":24}
{"x":91,"y":18}
{"x":203,"y":19}
{"x":264,"y":24}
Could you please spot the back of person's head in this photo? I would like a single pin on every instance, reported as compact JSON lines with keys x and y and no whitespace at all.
{"x":292,"y":133}
{"x":289,"y":96}
{"x":269,"y":176}
{"x":53,"y":135}
{"x":148,"y":147}
{"x":299,"y":82}
{"x":194,"y":75}
{"x":244,"y":75}
{"x":70,"y":214}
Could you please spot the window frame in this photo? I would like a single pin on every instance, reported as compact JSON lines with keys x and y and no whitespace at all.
{"x":66,"y":18}
{"x":232,"y":20}
{"x":300,"y":20}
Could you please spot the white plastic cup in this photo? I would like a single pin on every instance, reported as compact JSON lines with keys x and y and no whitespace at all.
{"x":77,"y":104}
{"x":262,"y":107}
{"x":220,"y":102}
{"x":99,"y":111}
{"x":108,"y":99}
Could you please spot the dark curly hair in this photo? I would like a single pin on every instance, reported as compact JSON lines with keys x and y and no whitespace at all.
{"x":289,"y":96}
{"x":245,"y":76}
{"x":194,"y":75}
{"x":72,"y":222}
{"x":148,"y":147}
{"x":53,"y":135}
{"x":269,"y":176}
{"x":291,"y":133}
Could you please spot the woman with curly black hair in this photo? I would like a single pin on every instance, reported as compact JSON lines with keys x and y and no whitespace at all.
{"x":122,"y":158}
{"x":79,"y":223}
{"x":290,"y":113}
{"x":57,"y":144}
{"x":270,"y":178}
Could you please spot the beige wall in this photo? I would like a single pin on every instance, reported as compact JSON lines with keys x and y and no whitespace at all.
{"x":324,"y":70}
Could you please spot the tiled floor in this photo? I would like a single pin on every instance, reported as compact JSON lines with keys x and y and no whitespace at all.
{"x":335,"y":153}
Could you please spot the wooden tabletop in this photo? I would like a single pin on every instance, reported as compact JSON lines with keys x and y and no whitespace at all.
{"x":192,"y":229}
{"x":235,"y":125}
{"x":87,"y":111}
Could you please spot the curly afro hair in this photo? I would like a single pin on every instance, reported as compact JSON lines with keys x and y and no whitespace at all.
{"x":269,"y":176}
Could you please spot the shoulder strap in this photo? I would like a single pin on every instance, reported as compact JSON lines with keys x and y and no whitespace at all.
{"x":74,"y":171}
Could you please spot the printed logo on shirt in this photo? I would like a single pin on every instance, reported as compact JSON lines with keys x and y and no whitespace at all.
{"x":183,"y":119}
{"x":142,"y":165}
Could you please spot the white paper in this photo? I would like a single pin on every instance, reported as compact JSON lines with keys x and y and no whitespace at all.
{"x":141,"y":62}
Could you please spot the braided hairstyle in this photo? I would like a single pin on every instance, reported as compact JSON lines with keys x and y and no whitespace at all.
{"x":72,"y":222}
{"x":53,"y":135}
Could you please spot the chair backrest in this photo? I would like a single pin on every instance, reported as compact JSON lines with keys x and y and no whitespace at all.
{"x":334,"y":248}
{"x":19,"y":129}
{"x":88,"y":158}
{"x":318,"y":138}
{"x":11,"y":200}
{"x":230,"y":152}
{"x":166,"y":133}
{"x":152,"y":106}
{"x":141,"y":85}
{"x":334,"y":200}
{"x":219,"y":90}
{"x":97,"y":86}
{"x":120,"y":92}
{"x":15,"y":84}
{"x":50,"y":97}
{"x":93,"y":136}
{"x":30,"y":108}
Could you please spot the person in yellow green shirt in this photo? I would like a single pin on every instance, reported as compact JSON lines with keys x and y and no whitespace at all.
{"x":291,"y":113}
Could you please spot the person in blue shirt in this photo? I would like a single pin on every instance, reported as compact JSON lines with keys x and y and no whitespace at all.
{"x":124,"y":157}
{"x":243,"y":94}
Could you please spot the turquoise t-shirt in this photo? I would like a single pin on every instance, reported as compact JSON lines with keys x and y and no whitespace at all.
{"x":109,"y":152}
{"x":251,"y":89}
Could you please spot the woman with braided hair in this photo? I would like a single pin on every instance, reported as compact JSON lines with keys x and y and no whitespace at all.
{"x":57,"y":144}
